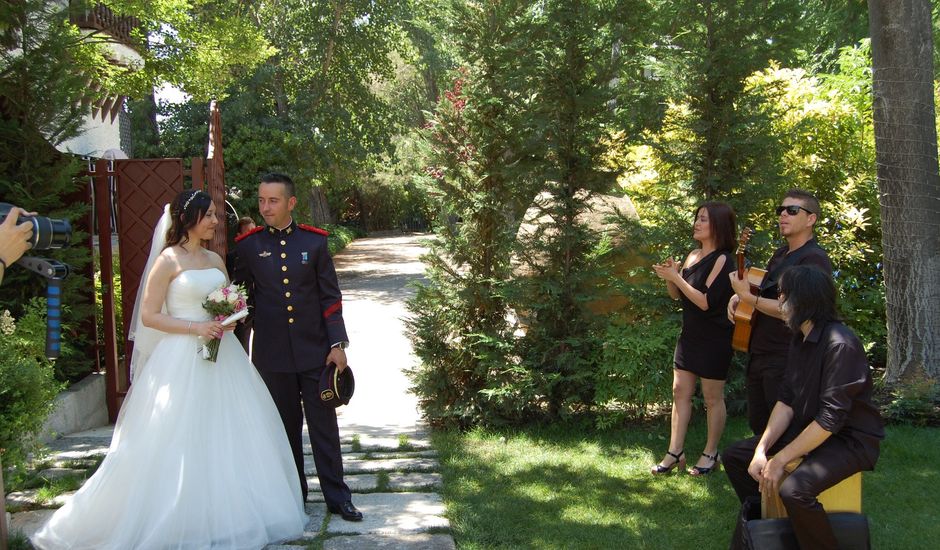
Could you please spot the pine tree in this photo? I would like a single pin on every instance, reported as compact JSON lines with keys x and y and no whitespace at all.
{"x":716,"y":137}
{"x":42,"y":84}
{"x":561,"y":253}
{"x":477,"y":166}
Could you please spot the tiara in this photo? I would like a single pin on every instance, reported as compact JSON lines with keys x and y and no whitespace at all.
{"x":189,"y":200}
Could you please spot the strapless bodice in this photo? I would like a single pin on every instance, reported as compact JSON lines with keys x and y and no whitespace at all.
{"x":188,"y":291}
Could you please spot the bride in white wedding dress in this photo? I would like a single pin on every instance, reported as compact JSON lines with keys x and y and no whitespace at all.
{"x":199,"y":457}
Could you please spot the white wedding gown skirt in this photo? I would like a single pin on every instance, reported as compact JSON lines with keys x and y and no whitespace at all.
{"x":199,"y":457}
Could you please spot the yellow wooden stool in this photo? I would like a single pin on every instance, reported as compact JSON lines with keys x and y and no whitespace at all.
{"x":845,"y":496}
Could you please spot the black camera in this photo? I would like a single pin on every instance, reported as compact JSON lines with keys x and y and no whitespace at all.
{"x":47,"y":232}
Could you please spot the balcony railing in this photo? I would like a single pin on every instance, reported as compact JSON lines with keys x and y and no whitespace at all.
{"x":101,"y":18}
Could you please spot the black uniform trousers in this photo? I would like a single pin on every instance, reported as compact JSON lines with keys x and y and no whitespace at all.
{"x":289,"y":389}
{"x":763,"y":381}
{"x":822,"y":468}
{"x":243,"y":333}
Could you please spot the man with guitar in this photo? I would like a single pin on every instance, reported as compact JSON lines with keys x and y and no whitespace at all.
{"x":770,"y":338}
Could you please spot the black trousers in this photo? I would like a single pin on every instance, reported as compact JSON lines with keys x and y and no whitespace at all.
{"x":824,"y":467}
{"x":763,"y":381}
{"x":243,"y":333}
{"x":294,"y":395}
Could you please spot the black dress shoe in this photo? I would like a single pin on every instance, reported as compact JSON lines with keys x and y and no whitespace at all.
{"x":347,"y":511}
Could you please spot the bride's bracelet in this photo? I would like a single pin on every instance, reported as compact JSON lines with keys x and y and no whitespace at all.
{"x":189,"y":329}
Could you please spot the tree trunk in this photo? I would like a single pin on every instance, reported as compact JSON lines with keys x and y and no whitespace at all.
{"x":319,"y":207}
{"x":280,"y":96}
{"x":909,"y":186}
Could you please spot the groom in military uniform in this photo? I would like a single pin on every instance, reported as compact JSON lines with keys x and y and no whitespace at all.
{"x":298,"y":330}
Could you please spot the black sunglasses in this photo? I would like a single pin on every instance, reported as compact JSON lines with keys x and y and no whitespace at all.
{"x":792,"y":209}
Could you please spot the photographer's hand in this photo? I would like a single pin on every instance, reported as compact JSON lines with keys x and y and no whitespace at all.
{"x":14,"y":239}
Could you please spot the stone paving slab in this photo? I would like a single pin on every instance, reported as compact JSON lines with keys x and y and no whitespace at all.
{"x":308,"y":450}
{"x":393,"y":514}
{"x":80,"y":452}
{"x":391,"y":465}
{"x":360,"y":466}
{"x":316,"y":513}
{"x":27,"y":498}
{"x":430,"y":453}
{"x":356,"y":483}
{"x":421,"y":541}
{"x":388,"y":440}
{"x":414,"y":481}
{"x":21,"y":498}
{"x":57,"y":473}
{"x":309,"y":467}
{"x":104,"y":432}
{"x":385,"y":453}
{"x":28,"y":523}
{"x":362,"y":483}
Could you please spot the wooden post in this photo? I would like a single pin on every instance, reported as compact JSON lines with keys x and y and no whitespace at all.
{"x":4,"y":533}
{"x":89,"y":326}
{"x":103,"y":210}
{"x":215,"y":179}
{"x":197,"y":172}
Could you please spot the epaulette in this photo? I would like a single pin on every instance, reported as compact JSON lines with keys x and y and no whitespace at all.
{"x":306,"y":227}
{"x":252,"y":232}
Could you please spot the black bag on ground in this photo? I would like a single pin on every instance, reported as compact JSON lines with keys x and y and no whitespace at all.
{"x":753,"y":533}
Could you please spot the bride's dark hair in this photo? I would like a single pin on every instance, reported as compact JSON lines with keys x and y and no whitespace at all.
{"x":186,"y":210}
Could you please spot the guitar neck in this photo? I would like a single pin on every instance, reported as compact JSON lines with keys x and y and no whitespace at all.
{"x":742,"y":246}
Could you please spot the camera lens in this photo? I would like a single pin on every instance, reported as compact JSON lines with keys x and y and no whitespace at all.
{"x":50,"y":233}
{"x":47,"y":232}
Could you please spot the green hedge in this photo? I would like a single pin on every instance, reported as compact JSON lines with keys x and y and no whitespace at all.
{"x":27,"y":383}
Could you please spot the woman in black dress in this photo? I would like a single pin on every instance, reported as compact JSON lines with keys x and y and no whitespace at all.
{"x":704,"y":346}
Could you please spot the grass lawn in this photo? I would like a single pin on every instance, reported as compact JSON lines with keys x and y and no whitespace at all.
{"x":574,"y":487}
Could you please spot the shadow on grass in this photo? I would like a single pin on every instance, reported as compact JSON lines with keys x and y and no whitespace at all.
{"x":564,"y":488}
{"x":572,"y":487}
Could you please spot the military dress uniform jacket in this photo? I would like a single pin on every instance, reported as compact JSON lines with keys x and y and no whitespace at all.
{"x":298,"y":311}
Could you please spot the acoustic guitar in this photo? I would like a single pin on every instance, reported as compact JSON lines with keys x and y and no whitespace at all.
{"x":745,"y":312}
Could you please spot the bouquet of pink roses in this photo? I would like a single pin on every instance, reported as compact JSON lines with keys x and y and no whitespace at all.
{"x":227,"y":304}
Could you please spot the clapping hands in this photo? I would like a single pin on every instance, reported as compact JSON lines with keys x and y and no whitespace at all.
{"x":668,"y":270}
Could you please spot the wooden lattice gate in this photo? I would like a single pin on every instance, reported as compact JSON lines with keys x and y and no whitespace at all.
{"x":135,"y":191}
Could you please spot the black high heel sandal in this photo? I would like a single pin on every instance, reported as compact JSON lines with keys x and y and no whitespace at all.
{"x":679,"y":461}
{"x":716,"y":465}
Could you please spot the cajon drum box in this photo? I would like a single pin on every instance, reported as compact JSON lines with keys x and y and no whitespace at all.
{"x":845,"y":496}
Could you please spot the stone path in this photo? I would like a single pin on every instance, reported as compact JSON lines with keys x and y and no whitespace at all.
{"x":389,"y":463}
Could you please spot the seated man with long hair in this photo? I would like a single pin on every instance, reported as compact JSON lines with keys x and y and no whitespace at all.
{"x":824,"y":413}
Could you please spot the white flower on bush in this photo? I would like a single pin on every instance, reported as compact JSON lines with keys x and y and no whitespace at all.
{"x":7,"y":325}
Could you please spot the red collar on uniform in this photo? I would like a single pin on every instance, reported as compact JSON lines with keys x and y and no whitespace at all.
{"x":306,"y":227}
{"x":252,"y":232}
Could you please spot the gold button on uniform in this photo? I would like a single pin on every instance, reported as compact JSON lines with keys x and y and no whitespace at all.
{"x":291,"y":320}
{"x":283,"y":254}
{"x":283,"y":268}
{"x":283,"y":243}
{"x":286,"y":281}
{"x":290,"y":308}
{"x":287,"y":294}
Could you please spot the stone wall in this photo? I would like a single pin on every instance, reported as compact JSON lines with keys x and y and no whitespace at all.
{"x":81,"y":407}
